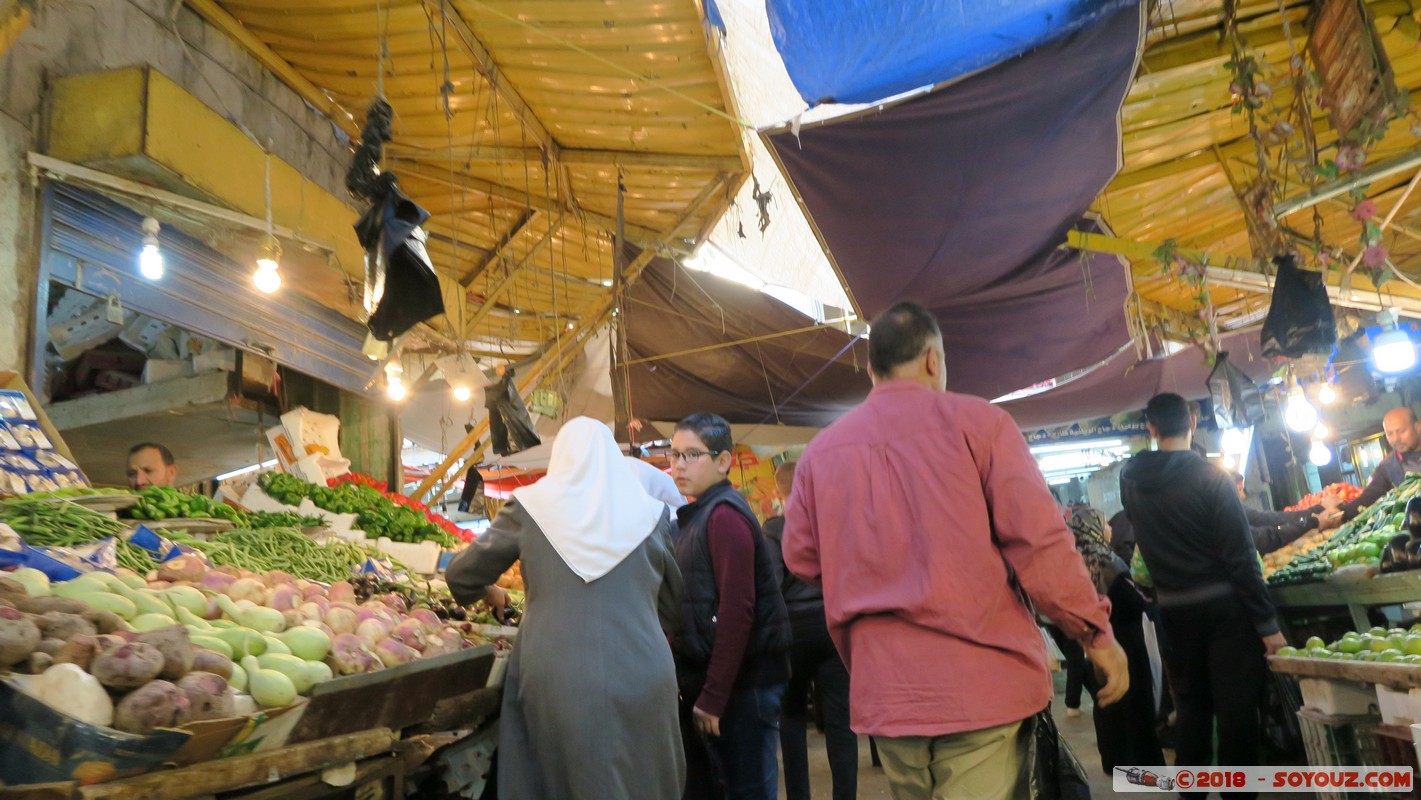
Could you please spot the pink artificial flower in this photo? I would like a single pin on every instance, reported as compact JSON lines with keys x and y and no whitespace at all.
{"x":1374,"y":256}
{"x":1350,"y":158}
{"x":1364,"y":211}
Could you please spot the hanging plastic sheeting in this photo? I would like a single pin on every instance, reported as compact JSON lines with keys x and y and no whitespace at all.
{"x":1236,"y":399}
{"x":862,"y":51}
{"x":960,"y":200}
{"x":510,"y":429}
{"x":401,"y":287}
{"x":1300,"y":317}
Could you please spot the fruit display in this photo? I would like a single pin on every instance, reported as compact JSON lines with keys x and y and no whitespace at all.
{"x":1394,"y":645}
{"x":1359,"y":542}
{"x":376,"y":513}
{"x":1308,"y":542}
{"x":1343,"y":492}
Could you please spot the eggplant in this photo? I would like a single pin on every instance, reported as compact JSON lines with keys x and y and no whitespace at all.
{"x":1395,"y":557}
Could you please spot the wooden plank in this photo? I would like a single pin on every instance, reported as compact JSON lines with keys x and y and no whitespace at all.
{"x":501,"y":251}
{"x":1402,"y":587}
{"x":62,"y":790}
{"x":1397,"y":676}
{"x":198,"y":390}
{"x":227,"y":774}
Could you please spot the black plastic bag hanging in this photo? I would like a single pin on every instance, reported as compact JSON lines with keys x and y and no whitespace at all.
{"x":473,"y":489}
{"x":1300,"y":317}
{"x":510,"y":428}
{"x":1236,"y":399}
{"x":401,"y":287}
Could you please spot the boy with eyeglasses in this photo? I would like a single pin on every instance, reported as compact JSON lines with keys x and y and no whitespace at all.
{"x":733,"y":643}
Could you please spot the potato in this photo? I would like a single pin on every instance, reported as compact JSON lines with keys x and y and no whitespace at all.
{"x":105,"y":621}
{"x":43,"y":605}
{"x":79,"y":651}
{"x":127,"y":666}
{"x":59,"y":625}
{"x":19,"y":637}
{"x":175,"y":646}
{"x":159,"y":704}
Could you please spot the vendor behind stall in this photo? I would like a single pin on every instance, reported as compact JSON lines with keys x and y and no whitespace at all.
{"x":1404,"y":436}
{"x":151,"y":464}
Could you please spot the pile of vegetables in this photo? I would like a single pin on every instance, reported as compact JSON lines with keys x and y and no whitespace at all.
{"x":199,"y":643}
{"x":165,"y":502}
{"x":376,"y":513}
{"x":1387,"y":645}
{"x":401,"y":500}
{"x":1343,"y":492}
{"x":1357,"y":544}
{"x":44,"y":523}
{"x":77,"y":491}
{"x":285,"y":549}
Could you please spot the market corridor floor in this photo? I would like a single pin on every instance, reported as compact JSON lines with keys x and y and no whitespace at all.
{"x":1079,"y":733}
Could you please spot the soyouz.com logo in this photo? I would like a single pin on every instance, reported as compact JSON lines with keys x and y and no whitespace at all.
{"x":1263,"y":779}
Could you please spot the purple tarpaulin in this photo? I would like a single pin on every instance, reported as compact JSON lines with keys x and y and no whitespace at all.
{"x":960,"y":199}
{"x":1125,"y":384}
{"x":808,"y":378}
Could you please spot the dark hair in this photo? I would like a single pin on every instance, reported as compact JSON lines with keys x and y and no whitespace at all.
{"x":165,"y":453}
{"x":1169,"y":413}
{"x":711,"y":429}
{"x":899,"y":335}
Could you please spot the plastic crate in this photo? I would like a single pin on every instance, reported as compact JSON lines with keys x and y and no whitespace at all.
{"x":1399,"y":706}
{"x":1397,"y":749}
{"x":1339,"y":741}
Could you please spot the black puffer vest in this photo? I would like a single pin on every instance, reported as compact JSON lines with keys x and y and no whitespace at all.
{"x":770,"y":638}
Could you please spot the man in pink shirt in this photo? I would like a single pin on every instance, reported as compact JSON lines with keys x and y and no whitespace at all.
{"x":914,"y":511}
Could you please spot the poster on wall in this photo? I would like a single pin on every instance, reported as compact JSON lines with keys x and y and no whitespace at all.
{"x":754,"y":478}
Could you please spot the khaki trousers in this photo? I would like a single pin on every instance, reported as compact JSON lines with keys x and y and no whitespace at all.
{"x":988,"y":764}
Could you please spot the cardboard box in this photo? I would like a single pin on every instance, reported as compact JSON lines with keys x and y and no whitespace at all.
{"x":39,"y":744}
{"x":13,"y":381}
{"x":286,"y":455}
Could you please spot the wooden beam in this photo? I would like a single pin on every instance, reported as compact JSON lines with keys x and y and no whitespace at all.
{"x":152,"y":398}
{"x":525,"y":199}
{"x":487,"y":67}
{"x":1144,"y":251}
{"x":230,"y":25}
{"x":511,"y":274}
{"x":570,"y":157}
{"x":1327,"y":191}
{"x":501,"y":251}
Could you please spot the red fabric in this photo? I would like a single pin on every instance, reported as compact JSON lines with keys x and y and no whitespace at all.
{"x":908,"y":511}
{"x":732,"y":552}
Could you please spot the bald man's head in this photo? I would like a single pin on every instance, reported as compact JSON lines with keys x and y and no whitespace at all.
{"x":1400,"y":428}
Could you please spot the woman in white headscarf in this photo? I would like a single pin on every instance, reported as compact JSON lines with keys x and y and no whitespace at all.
{"x":589,"y":701}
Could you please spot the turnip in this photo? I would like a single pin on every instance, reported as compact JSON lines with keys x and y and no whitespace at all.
{"x":428,"y":619}
{"x":19,"y":637}
{"x":311,"y":590}
{"x":411,"y":634}
{"x":392,"y":653}
{"x":159,"y":704}
{"x":341,"y":592}
{"x":275,"y":577}
{"x":373,"y":630}
{"x":342,"y":619}
{"x":246,"y":589}
{"x":284,"y":597}
{"x":217,"y":581}
{"x":127,"y":666}
{"x":185,"y":567}
{"x":207,"y":694}
{"x":350,"y":656}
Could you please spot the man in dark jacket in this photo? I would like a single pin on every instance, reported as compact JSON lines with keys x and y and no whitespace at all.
{"x":812,"y":659}
{"x":1403,"y":433}
{"x":1214,"y":607}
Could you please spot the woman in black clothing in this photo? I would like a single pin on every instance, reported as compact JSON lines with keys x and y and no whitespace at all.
{"x":1124,"y":731}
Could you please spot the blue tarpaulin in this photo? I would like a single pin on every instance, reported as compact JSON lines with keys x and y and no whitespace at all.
{"x":862,"y":51}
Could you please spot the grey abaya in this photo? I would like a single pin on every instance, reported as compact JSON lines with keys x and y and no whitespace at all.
{"x":590,"y":697}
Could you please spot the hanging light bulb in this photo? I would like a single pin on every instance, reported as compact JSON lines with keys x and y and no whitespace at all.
{"x":1321,"y":431}
{"x":1229,"y":462}
{"x":1319,"y":454}
{"x":150,"y":258}
{"x":395,"y":387}
{"x":267,"y":278}
{"x":1298,"y":414}
{"x":1234,"y":440}
{"x":1326,"y":394}
{"x":1392,"y":351}
{"x":463,"y":393}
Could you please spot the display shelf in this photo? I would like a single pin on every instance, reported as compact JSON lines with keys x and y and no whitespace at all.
{"x":1356,"y":596}
{"x":1397,"y":676}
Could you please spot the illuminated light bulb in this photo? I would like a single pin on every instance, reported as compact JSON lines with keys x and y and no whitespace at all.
{"x":463,"y":393}
{"x":1229,"y":462}
{"x":1234,"y":440}
{"x":1326,"y":394}
{"x":395,"y":388}
{"x":267,"y":277}
{"x":1321,"y":431}
{"x":1392,"y":351}
{"x":150,"y":258}
{"x":1319,"y":454}
{"x":607,"y":282}
{"x":1298,"y":414}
